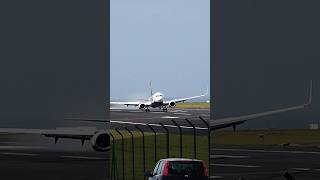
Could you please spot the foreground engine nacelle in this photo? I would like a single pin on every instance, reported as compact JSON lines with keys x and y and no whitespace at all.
{"x":142,"y":106}
{"x":101,"y":141}
{"x":172,"y":104}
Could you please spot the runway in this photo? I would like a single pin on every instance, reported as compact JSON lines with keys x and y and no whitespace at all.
{"x":36,"y":162}
{"x":268,"y":163}
{"x":36,"y":159}
{"x":121,"y":116}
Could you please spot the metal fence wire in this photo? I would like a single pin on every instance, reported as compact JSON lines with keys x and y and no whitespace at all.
{"x":136,"y":149}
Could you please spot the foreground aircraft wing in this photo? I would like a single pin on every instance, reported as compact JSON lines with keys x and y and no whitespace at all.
{"x":99,"y":138}
{"x":72,"y":133}
{"x":233,"y":121}
{"x":132,"y":103}
{"x":216,"y":123}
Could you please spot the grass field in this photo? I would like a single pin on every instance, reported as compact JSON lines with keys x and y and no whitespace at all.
{"x":194,"y":105}
{"x":202,"y":151}
{"x":267,"y":137}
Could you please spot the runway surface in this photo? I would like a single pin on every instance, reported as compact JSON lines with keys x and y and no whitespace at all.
{"x":32,"y":157}
{"x":253,"y":163}
{"x":37,"y":157}
{"x":120,"y":117}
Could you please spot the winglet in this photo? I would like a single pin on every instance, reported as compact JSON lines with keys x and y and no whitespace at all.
{"x":310,"y":94}
{"x":207,"y":92}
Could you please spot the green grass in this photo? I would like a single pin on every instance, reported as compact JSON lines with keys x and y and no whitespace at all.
{"x":202,"y":151}
{"x":194,"y":105}
{"x":267,"y":137}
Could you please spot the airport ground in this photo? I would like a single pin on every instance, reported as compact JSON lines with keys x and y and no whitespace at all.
{"x":33,"y":157}
{"x":250,"y":163}
{"x":156,"y":116}
{"x":265,"y":155}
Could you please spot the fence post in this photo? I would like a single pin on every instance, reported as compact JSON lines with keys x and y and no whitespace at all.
{"x":167,"y":131}
{"x":114,"y":161}
{"x":143,"y":149}
{"x":155,"y":143}
{"x":132,"y":151}
{"x":194,"y":138}
{"x":209,"y":138}
{"x":122,"y":149}
{"x":180,"y":133}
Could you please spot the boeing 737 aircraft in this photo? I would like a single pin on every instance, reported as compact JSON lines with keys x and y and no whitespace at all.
{"x":157,"y":100}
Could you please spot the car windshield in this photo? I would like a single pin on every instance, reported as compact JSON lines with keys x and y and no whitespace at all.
{"x":183,"y":168}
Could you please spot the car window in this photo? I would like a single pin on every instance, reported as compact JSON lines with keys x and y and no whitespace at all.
{"x":156,"y":168}
{"x":191,"y":168}
{"x":160,"y":167}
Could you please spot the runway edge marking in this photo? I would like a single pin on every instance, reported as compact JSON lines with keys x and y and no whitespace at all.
{"x":84,"y":157}
{"x":268,"y":151}
{"x":234,"y":165}
{"x":19,"y":154}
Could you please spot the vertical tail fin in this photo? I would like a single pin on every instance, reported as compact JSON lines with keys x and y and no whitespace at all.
{"x":310,"y":93}
{"x":151,"y":93}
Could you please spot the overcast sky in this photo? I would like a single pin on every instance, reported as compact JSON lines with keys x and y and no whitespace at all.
{"x":53,"y":62}
{"x":163,"y":41}
{"x":267,"y":53}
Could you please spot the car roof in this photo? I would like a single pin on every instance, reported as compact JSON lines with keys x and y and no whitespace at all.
{"x":180,"y":159}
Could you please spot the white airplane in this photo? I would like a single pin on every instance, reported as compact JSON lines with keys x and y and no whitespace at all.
{"x":157,"y":100}
{"x":100,"y":139}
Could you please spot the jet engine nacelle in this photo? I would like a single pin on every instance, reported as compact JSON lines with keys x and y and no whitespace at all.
{"x":101,"y":141}
{"x":142,"y":106}
{"x":172,"y":104}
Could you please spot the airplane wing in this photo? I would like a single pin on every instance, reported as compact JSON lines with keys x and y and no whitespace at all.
{"x":72,"y":133}
{"x":218,"y":123}
{"x":184,"y":99}
{"x":99,"y":138}
{"x":233,"y":121}
{"x":132,"y":103}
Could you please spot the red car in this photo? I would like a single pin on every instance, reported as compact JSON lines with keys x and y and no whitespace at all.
{"x":179,"y":169}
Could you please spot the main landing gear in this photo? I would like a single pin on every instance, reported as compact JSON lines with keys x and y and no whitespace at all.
{"x":165,"y":109}
{"x":147,"y":109}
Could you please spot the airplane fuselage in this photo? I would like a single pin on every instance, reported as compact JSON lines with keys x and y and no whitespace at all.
{"x":157,"y":100}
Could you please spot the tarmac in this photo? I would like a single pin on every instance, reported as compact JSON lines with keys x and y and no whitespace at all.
{"x":37,"y":157}
{"x":122,"y":117}
{"x":268,"y":163}
{"x":36,"y":160}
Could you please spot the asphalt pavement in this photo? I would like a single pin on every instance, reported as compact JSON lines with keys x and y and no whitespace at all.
{"x":37,"y":157}
{"x":267,"y":163}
